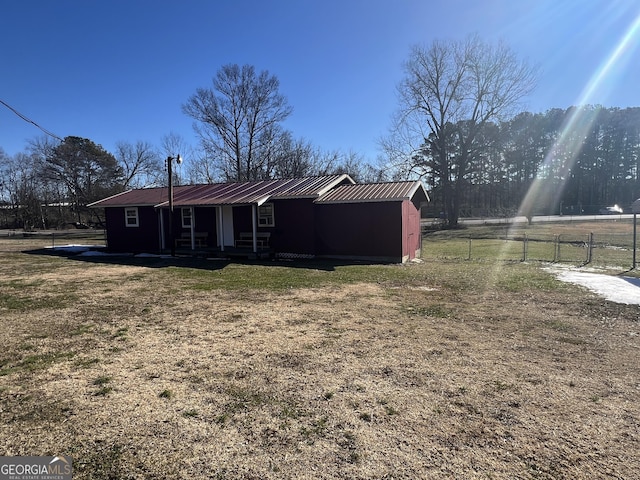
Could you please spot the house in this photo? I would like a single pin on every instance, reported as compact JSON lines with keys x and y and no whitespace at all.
{"x":327,"y":217}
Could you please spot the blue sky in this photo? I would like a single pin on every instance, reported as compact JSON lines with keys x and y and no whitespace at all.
{"x":120,"y":70}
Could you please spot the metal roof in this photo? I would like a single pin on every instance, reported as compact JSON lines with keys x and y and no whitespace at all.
{"x":137,"y":198}
{"x":375,"y":192}
{"x":246,"y":193}
{"x":234,"y":193}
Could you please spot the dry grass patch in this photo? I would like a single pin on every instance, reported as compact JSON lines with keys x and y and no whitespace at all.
{"x":451,"y":370}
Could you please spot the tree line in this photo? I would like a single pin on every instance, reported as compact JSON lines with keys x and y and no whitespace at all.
{"x":460,"y":126}
{"x":51,"y":184}
{"x":577,"y":160}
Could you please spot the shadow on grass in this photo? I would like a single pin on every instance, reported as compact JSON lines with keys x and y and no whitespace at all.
{"x":191,"y":261}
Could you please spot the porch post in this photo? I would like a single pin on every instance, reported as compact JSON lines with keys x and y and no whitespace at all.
{"x":634,"y":240}
{"x":254,"y":226}
{"x":173,"y":243}
{"x":192,"y":228}
{"x":220,"y":229}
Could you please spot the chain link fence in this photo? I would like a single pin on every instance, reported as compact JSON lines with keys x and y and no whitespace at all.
{"x":613,"y":250}
{"x":53,"y":238}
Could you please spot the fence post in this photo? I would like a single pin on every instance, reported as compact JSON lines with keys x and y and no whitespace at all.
{"x":524,"y":247}
{"x":556,"y":248}
{"x":469,"y":256}
{"x":634,"y":238}
{"x":590,"y":247}
{"x":53,"y":240}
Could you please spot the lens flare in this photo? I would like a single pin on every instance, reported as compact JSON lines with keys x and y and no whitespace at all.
{"x":562,"y":156}
{"x":545,"y":189}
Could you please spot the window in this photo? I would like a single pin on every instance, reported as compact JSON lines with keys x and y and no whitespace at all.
{"x":265,"y":215}
{"x":131,"y":217}
{"x":186,"y":218}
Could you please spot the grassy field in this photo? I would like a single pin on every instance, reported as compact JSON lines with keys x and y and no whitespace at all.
{"x":560,"y":242}
{"x":182,"y":368}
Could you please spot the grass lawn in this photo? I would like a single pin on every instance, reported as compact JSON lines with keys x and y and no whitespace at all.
{"x":181,"y":368}
{"x":564,"y":242}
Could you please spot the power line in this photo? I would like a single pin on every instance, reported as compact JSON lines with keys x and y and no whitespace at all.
{"x":28,"y":120}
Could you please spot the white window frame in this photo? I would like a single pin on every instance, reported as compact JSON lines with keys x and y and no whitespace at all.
{"x":266,"y":217}
{"x":188,"y":216}
{"x":131,"y":213}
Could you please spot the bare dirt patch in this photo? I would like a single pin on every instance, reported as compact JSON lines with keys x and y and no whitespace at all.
{"x":452,"y":372}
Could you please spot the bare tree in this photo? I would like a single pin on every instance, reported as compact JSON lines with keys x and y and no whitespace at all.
{"x":287,"y":157}
{"x":236,"y":116}
{"x":5,"y":181}
{"x":20,"y":192}
{"x":41,"y":147}
{"x":450,"y":92}
{"x":141,"y":164}
{"x":172,"y":145}
{"x":200,"y":169}
{"x":352,"y":163}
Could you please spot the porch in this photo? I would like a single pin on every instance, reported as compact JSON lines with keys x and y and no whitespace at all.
{"x":220,"y":231}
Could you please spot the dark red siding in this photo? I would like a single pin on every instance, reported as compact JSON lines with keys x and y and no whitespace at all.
{"x":143,"y":238}
{"x":293,"y":230}
{"x":294,"y":226}
{"x":242,"y":221}
{"x":176,"y":225}
{"x":411,"y":236}
{"x":204,"y":222}
{"x":385,"y":231}
{"x":366,"y":230}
